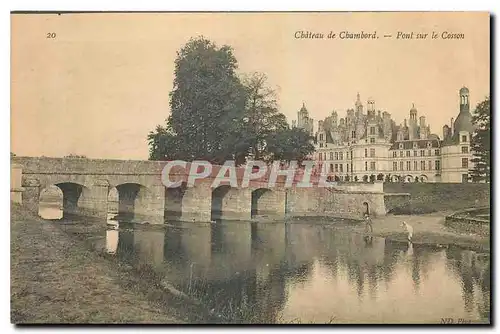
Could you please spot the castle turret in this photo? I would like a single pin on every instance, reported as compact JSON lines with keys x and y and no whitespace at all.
{"x":464,"y":118}
{"x":464,"y":100}
{"x":358,"y":105}
{"x":371,"y":108}
{"x":412,"y":127}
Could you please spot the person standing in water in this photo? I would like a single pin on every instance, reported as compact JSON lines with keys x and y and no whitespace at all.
{"x":409,"y":230}
{"x":368,"y":224}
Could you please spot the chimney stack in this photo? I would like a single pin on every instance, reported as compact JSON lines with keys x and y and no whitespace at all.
{"x":446,"y":131}
{"x":422,"y":121}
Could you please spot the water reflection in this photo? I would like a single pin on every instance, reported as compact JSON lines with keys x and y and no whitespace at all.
{"x":268,"y":273}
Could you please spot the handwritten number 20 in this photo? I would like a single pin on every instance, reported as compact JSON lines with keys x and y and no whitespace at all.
{"x":51,"y":35}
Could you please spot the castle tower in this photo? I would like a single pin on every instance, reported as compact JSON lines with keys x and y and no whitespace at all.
{"x":371,"y":108}
{"x":412,"y":124}
{"x":464,"y":100}
{"x":464,"y":119}
{"x":358,"y":105}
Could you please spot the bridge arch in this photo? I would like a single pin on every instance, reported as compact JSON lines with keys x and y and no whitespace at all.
{"x":220,"y":201}
{"x":72,"y":194}
{"x":133,"y":199}
{"x":263,"y":201}
{"x":174,"y":198}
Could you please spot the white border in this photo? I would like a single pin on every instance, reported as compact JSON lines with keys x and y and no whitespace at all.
{"x":211,"y":5}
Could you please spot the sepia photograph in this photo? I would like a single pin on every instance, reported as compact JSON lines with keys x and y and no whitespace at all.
{"x":250,"y":168}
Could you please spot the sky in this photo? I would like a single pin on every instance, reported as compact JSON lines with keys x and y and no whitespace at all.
{"x":102,"y":83}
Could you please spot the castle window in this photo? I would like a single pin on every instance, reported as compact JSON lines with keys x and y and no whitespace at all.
{"x":408,"y":165}
{"x":347,"y":168}
{"x":395,"y":166}
{"x":331,"y":155}
{"x":465,"y":178}
{"x":347,"y":155}
{"x":464,"y":138}
{"x":366,"y":153}
{"x":422,"y":165}
{"x":372,"y":130}
{"x":372,"y":152}
{"x":429,"y":144}
{"x":394,"y":154}
{"x":436,"y":152}
{"x":401,"y":154}
{"x":366,"y":165}
{"x":336,"y":168}
{"x":407,"y":153}
{"x":400,"y":146}
{"x":341,"y":156}
{"x":321,"y":136}
{"x":465,"y":163}
{"x":401,"y":164}
{"x":415,"y":165}
{"x":415,"y":153}
{"x":331,"y":168}
{"x":336,"y":155}
{"x":352,"y":169}
{"x":422,"y":153}
{"x":465,"y":149}
{"x":415,"y":145}
{"x":430,"y":152}
{"x":341,"y":168}
{"x":353,"y":134}
{"x":372,"y":140}
{"x":430,"y":165}
{"x":437,"y":164}
{"x":320,"y":156}
{"x":320,"y":144}
{"x":372,"y":165}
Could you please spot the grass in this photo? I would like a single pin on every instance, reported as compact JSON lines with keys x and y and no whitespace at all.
{"x":58,"y":279}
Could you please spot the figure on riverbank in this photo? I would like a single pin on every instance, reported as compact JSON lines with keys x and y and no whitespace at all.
{"x":408,"y":229}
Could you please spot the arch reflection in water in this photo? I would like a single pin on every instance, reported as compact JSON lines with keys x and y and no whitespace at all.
{"x":51,"y":203}
{"x":255,"y":272}
{"x":112,"y":237}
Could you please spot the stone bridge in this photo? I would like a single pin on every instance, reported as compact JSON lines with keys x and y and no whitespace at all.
{"x":86,"y":183}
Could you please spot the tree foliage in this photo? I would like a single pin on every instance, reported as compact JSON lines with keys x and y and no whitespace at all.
{"x":215,"y":116}
{"x":480,"y":142}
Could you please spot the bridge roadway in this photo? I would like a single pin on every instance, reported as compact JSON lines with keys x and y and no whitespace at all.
{"x":86,"y":183}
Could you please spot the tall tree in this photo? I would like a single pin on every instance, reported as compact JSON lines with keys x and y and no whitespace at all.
{"x":262,"y":117}
{"x":207,"y":103}
{"x":480,"y":143}
{"x":289,"y":144}
{"x":215,"y":116}
{"x":164,"y":144}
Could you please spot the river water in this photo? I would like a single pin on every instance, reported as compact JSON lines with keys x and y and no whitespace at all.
{"x":300,"y":272}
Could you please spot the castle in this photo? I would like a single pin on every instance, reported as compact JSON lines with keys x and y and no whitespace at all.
{"x":370,"y":146}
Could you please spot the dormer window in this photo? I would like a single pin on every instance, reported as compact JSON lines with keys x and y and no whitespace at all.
{"x":429,"y":144}
{"x":464,"y":138}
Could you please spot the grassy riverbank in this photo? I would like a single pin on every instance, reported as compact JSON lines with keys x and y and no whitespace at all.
{"x":428,"y":229}
{"x":58,"y":279}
